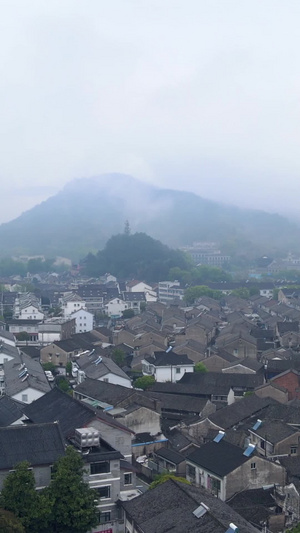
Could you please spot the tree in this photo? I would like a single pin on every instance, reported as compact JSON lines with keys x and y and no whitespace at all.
{"x":128,"y":313}
{"x":295,"y":529}
{"x":69,"y":368}
{"x":20,"y":497}
{"x":193,"y":293}
{"x":162,"y":478}
{"x":49,"y":366}
{"x":74,"y":509}
{"x":118,"y":356}
{"x":200,"y":367}
{"x":242,"y":292}
{"x":9,"y":523}
{"x":145,"y":382}
{"x":22,"y":336}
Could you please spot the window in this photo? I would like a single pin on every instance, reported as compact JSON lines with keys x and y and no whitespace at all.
{"x":104,"y":492}
{"x":128,"y":479}
{"x":104,"y":516}
{"x":293,"y":450}
{"x":253,"y":466}
{"x":177,"y":370}
{"x":24,"y":397}
{"x":262,"y":444}
{"x":191,"y":471}
{"x":100,"y":468}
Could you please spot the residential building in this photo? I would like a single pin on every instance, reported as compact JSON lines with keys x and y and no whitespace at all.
{"x":169,"y":291}
{"x":25,"y":379}
{"x":56,"y":329}
{"x":225,"y":469}
{"x":167,"y":366}
{"x":70,"y":303}
{"x":84,"y":320}
{"x":39,"y":444}
{"x":177,"y":507}
{"x":100,"y":368}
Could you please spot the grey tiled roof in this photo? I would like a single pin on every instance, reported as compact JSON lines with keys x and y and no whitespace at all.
{"x":36,"y":376}
{"x":170,"y":507}
{"x":39,"y":444}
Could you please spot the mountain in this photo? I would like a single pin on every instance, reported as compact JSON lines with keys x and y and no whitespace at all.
{"x":86,"y":212}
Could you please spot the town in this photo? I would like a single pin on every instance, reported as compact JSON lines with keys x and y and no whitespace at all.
{"x":196,"y":397}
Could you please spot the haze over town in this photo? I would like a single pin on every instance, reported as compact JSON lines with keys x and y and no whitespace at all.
{"x":201,"y":96}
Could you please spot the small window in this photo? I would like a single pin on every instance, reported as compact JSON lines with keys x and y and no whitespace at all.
{"x":104,"y":492}
{"x":177,"y":370}
{"x":262,"y":444}
{"x":105,"y":516}
{"x":128,"y":479}
{"x":253,"y":466}
{"x":293,"y":450}
{"x":24,"y":397}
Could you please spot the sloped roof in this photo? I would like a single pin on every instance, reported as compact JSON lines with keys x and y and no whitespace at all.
{"x":170,"y":455}
{"x":233,"y":414}
{"x":10,"y":411}
{"x":219,"y":458}
{"x":274,"y":431}
{"x":169,"y":359}
{"x":39,"y":444}
{"x":170,"y":507}
{"x":36,"y":376}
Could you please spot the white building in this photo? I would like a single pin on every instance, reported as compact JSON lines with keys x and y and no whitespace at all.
{"x":115,"y":307}
{"x":70,"y":303}
{"x":25,"y":379}
{"x":84,"y":320}
{"x":167,"y":366}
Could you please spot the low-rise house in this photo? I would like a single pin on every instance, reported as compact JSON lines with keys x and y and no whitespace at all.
{"x":244,"y":366}
{"x":169,"y":291}
{"x":133,"y":300}
{"x":224,"y":469}
{"x":70,"y":303}
{"x":72,"y":414}
{"x":166,"y":460}
{"x":178,"y":507}
{"x":193,"y":349}
{"x":99,"y":368}
{"x":25,"y":379}
{"x":31,"y":327}
{"x":274,"y":438}
{"x":60,"y":352}
{"x":84,"y":321}
{"x":55,"y":329}
{"x":39,"y":444}
{"x":290,"y":380}
{"x":11,"y":412}
{"x":7,"y":337}
{"x":241,"y":344}
{"x":217,"y":361}
{"x":260,"y":508}
{"x":114,"y":308}
{"x":28,"y":307}
{"x":167,"y":366}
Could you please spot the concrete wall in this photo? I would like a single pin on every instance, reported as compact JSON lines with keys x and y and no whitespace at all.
{"x":118,"y":439}
{"x":142,"y":420}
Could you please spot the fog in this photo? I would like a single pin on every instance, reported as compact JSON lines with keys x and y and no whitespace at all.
{"x":194,"y":95}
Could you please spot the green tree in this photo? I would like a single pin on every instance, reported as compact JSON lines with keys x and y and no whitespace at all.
{"x":9,"y":523}
{"x":20,"y":497}
{"x":162,"y":478}
{"x":295,"y":529}
{"x":200,"y":367}
{"x":145,"y":382}
{"x":128,"y":313}
{"x":118,"y":356}
{"x":22,"y":336}
{"x":242,"y":292}
{"x":49,"y":366}
{"x":74,"y":509}
{"x":69,"y":368}
{"x":193,"y":293}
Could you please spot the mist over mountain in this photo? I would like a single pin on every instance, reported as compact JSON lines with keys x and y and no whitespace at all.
{"x":87,"y":212}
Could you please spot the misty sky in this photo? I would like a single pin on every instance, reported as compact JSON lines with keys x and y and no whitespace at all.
{"x":202,"y":95}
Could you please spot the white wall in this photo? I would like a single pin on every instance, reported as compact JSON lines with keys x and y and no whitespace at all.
{"x":169,"y":373}
{"x":70,"y":307}
{"x":31,"y":313}
{"x":116,"y":380}
{"x":32,"y":395}
{"x":115,"y":307}
{"x":84,"y":320}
